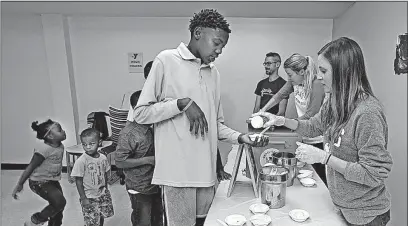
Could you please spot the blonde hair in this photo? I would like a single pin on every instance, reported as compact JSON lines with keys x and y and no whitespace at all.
{"x":297,"y":62}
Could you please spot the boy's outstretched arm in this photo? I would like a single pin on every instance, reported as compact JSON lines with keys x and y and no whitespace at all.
{"x":132,"y":163}
{"x":36,"y":160}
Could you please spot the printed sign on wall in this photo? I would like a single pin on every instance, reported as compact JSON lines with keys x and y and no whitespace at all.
{"x":135,"y":62}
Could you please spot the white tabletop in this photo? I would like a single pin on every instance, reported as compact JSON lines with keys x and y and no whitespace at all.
{"x":316,"y":200}
{"x":78,"y":149}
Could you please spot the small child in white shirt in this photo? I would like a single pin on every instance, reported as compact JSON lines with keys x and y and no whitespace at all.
{"x":90,"y":172}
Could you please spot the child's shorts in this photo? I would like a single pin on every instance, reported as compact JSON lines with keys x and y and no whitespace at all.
{"x":101,"y":206}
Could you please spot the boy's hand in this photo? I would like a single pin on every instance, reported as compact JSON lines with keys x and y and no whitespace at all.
{"x":17,"y":189}
{"x":258,"y":142}
{"x":198,"y":122}
{"x":222,"y":175}
{"x":150,"y":160}
{"x":85,"y":203}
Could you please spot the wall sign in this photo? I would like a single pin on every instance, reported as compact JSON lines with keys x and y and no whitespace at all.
{"x":135,"y":61}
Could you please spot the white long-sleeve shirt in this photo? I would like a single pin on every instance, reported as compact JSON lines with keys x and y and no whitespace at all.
{"x":182,"y":159}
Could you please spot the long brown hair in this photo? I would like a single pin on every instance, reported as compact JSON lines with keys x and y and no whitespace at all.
{"x":297,"y":62}
{"x":349,"y":82}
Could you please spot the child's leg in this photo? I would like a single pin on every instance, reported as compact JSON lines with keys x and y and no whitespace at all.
{"x":105,"y":204}
{"x":56,"y":220}
{"x":91,"y":213}
{"x":141,"y":209}
{"x":101,"y":220}
{"x":157,"y":209}
{"x":52,"y":192}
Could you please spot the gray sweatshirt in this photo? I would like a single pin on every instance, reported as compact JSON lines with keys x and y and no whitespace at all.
{"x":360,"y":193}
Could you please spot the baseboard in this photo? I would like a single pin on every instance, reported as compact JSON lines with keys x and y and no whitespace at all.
{"x":15,"y":166}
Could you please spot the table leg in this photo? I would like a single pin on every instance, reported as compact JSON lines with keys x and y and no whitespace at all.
{"x":235,"y":169}
{"x":68,"y":160}
{"x":109,"y":157}
{"x":252,"y":169}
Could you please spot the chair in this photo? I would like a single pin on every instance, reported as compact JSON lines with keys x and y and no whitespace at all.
{"x":118,"y":119}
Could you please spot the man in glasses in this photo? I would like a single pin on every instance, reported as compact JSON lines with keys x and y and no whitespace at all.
{"x":269,"y":86}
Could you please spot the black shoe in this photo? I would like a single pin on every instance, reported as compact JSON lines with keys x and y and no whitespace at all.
{"x":122,"y":180}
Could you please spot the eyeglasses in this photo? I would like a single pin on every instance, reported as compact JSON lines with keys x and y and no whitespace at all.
{"x":269,"y":63}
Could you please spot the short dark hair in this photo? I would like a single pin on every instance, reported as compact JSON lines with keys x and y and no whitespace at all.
{"x":272,"y":54}
{"x":90,"y":132}
{"x":134,"y":98}
{"x":209,"y":18}
{"x":147,"y":68}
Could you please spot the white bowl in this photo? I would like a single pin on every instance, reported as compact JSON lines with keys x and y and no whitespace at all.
{"x":260,"y":220}
{"x":300,"y":164}
{"x":259,"y":208}
{"x":307,"y":182}
{"x":299,"y":215}
{"x":305,"y":173}
{"x":257,"y":121}
{"x":235,"y":220}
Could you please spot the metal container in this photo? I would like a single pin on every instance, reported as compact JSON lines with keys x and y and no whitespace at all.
{"x":273,"y":186}
{"x":287,"y":160}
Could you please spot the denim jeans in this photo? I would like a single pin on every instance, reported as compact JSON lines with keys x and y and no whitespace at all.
{"x":147,"y":209}
{"x":380,"y":220}
{"x":52,"y":192}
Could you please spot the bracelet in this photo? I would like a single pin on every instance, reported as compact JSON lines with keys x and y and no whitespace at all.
{"x":240,"y":135}
{"x":188,"y":105}
{"x":328,"y":159}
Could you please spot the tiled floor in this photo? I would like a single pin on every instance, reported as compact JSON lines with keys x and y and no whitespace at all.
{"x":15,"y":212}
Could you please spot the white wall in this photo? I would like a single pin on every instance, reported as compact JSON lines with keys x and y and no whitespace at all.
{"x":26,"y":89}
{"x":375,"y":26}
{"x":35,"y":82}
{"x":100,"y":47}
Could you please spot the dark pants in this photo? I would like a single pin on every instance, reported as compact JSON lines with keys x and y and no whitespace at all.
{"x":52,"y":192}
{"x":147,"y":209}
{"x":380,"y":220}
{"x":320,"y":168}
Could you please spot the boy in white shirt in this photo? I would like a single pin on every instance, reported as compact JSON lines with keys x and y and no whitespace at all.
{"x":90,"y":172}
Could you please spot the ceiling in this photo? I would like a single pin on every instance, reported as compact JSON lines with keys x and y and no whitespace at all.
{"x":303,"y":9}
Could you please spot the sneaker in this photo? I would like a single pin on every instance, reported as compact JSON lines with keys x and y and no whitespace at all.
{"x":30,"y":223}
{"x":122,"y":179}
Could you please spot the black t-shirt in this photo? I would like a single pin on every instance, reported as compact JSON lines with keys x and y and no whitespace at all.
{"x":267,"y":89}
